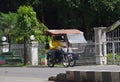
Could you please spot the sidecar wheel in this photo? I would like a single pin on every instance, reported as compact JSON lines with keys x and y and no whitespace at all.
{"x":50,"y":62}
{"x":72,"y":63}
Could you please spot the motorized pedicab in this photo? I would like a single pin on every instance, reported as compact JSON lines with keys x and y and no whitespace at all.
{"x":68,"y":58}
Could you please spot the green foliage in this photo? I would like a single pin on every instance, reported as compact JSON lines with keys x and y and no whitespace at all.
{"x":80,"y":14}
{"x":110,"y":57}
{"x":27,"y":19}
{"x":8,"y":20}
{"x":20,"y":24}
{"x":28,"y":25}
{"x":7,"y":23}
{"x":104,"y":4}
{"x":83,"y":14}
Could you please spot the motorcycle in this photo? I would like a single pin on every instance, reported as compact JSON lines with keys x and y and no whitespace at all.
{"x":60,"y":57}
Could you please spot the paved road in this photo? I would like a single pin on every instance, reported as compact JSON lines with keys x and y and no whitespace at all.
{"x":40,"y":74}
{"x":28,"y":74}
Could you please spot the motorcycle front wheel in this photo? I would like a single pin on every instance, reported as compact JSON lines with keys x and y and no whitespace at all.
{"x":66,"y":61}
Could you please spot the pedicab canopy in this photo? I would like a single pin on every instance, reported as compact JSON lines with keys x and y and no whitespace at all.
{"x":62,"y":31}
{"x":73,"y":35}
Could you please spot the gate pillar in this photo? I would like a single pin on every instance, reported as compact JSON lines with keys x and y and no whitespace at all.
{"x":100,"y":45}
{"x":5,"y":47}
{"x":34,"y":53}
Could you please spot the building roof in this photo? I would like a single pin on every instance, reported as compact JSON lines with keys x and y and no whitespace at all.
{"x":63,"y":31}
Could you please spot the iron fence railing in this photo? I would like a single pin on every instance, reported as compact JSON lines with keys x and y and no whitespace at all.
{"x":86,"y":52}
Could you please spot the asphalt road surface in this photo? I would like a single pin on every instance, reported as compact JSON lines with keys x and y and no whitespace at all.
{"x":41,"y":74}
{"x":28,"y":74}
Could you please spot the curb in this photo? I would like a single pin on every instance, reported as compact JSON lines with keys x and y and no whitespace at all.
{"x":86,"y":76}
{"x":93,"y":76}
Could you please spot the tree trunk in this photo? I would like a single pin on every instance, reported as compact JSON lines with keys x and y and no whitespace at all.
{"x":25,"y":51}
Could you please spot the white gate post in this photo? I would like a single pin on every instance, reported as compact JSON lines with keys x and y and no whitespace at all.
{"x":104,"y":46}
{"x":100,"y":45}
{"x":5,"y":47}
{"x":34,"y":51}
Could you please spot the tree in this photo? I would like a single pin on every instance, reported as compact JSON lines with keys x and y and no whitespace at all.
{"x":7,"y":22}
{"x":28,"y":25}
{"x":7,"y":25}
{"x":80,"y":14}
{"x":106,"y":11}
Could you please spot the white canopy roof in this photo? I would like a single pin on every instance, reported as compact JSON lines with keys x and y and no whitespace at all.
{"x":76,"y":38}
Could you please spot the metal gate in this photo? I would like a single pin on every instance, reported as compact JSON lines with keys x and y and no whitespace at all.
{"x":113,"y":46}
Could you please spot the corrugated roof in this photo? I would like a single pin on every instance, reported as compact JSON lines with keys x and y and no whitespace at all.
{"x":63,"y":31}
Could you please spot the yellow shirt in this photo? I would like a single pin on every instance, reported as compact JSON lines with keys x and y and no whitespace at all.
{"x":54,"y":44}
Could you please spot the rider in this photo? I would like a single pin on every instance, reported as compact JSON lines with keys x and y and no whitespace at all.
{"x":54,"y":44}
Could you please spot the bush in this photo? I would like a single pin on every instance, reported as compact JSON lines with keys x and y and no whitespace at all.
{"x":110,"y":57}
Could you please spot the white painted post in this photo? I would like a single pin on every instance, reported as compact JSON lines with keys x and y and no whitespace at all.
{"x":113,"y":52}
{"x":5,"y":47}
{"x":104,"y":46}
{"x":100,"y":41}
{"x":34,"y":53}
